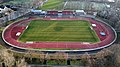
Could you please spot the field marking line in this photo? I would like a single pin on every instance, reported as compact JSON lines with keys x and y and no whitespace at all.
{"x":50,"y":26}
{"x":65,"y":4}
{"x":23,"y":32}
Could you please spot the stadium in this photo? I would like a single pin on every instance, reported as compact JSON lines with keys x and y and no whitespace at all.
{"x":63,"y":28}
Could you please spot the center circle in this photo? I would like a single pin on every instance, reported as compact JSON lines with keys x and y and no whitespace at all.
{"x":58,"y":28}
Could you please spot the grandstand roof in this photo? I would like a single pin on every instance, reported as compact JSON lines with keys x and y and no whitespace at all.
{"x":79,"y":10}
{"x":36,"y":10}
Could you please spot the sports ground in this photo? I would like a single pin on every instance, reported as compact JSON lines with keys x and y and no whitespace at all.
{"x":55,"y":31}
{"x":69,"y":5}
{"x":47,"y":42}
{"x":52,"y":4}
{"x":59,"y":31}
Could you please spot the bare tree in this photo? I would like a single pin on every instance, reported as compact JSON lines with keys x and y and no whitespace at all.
{"x":85,"y":59}
{"x":21,"y":63}
{"x":7,"y":58}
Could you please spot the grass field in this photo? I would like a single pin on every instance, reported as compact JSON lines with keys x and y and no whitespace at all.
{"x":52,"y":4}
{"x":71,"y":5}
{"x":59,"y":31}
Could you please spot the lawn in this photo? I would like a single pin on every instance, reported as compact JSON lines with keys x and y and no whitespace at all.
{"x":59,"y":31}
{"x":52,"y":4}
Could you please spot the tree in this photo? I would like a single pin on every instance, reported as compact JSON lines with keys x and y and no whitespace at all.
{"x":7,"y":58}
{"x":21,"y":63}
{"x":85,"y":59}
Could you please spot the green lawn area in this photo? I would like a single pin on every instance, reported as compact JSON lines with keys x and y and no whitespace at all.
{"x":59,"y":31}
{"x":52,"y":4}
{"x":0,"y":46}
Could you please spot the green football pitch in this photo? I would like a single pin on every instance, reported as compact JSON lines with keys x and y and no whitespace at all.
{"x":52,"y":4}
{"x":59,"y":31}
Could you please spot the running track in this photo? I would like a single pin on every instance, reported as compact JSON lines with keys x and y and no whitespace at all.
{"x":9,"y":36}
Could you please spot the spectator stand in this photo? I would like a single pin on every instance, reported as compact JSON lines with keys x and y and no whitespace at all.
{"x":80,"y":12}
